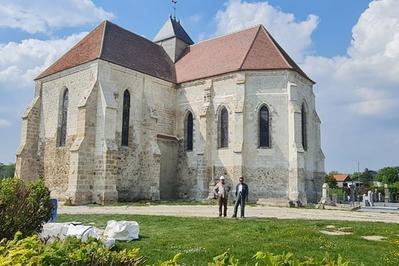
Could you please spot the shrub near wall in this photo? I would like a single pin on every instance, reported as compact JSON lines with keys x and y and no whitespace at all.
{"x":23,"y":207}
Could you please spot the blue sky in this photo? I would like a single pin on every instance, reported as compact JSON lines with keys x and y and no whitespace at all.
{"x":349,"y":47}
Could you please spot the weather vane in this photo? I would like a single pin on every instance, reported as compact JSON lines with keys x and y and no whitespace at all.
{"x":174,"y":8}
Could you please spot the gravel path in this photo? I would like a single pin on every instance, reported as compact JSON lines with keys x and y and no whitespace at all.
{"x":258,"y":212}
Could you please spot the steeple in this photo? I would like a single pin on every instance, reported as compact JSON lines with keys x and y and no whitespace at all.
{"x":173,"y":38}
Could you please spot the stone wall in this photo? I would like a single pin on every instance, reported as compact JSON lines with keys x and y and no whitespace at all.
{"x":152,"y":112}
{"x":93,"y":166}
{"x":283,"y":171}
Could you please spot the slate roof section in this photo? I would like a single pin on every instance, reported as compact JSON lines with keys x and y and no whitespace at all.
{"x":114,"y":44}
{"x":127,"y":49}
{"x":172,"y":28}
{"x":249,"y":49}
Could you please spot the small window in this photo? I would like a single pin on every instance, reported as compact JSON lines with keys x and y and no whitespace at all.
{"x":189,"y":130}
{"x":304,"y":128}
{"x":224,"y":128}
{"x":64,"y":119}
{"x":125,"y":118}
{"x":264,"y":127}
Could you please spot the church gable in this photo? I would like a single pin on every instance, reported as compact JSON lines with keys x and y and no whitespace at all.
{"x":88,"y":49}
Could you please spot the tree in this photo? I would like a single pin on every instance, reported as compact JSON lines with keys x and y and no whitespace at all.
{"x":330,"y":179}
{"x":356,"y":176}
{"x":388,"y":175}
{"x":7,"y":170}
{"x":366,"y":177}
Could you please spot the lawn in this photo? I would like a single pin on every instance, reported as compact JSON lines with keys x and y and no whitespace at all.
{"x":200,"y":239}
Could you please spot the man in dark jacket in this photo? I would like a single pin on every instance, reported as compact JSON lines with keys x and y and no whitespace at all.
{"x":241,"y":197}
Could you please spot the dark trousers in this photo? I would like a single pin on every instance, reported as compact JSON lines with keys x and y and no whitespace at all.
{"x":222,"y":205}
{"x":239,"y":201}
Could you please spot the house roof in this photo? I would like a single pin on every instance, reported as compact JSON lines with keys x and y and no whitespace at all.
{"x":249,"y":49}
{"x":173,"y":28}
{"x":341,"y":177}
{"x":119,"y":46}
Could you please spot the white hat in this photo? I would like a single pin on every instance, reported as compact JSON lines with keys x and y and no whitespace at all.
{"x":221,"y":178}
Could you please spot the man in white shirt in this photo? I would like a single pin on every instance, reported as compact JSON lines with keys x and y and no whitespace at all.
{"x":222,"y":191}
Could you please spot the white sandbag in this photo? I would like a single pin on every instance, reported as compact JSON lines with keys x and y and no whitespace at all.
{"x":82,"y":232}
{"x":52,"y":231}
{"x":122,"y":230}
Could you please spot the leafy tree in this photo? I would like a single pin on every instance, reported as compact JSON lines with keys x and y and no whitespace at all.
{"x":7,"y":170}
{"x":356,"y":176}
{"x":330,"y":179}
{"x":388,"y":175}
{"x":366,"y":177}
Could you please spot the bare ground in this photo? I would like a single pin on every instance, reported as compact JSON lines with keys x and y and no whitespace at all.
{"x":251,"y":212}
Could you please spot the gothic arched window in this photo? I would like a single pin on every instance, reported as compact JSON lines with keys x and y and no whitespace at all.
{"x":304,"y":128}
{"x":264,"y":127}
{"x":125,"y":118}
{"x":64,"y":119}
{"x":189,"y":129}
{"x":223,"y":128}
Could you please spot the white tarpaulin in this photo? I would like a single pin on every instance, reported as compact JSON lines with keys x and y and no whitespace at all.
{"x":83,"y":232}
{"x":52,"y":231}
{"x":122,"y":230}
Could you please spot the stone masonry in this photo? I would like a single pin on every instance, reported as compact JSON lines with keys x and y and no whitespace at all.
{"x":93,"y":166}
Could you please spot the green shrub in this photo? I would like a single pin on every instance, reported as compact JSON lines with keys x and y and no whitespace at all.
{"x":23,"y":207}
{"x":32,"y":251}
{"x":267,"y":259}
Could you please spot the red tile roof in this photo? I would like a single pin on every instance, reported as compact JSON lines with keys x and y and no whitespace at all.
{"x":88,"y":49}
{"x":341,"y":178}
{"x":250,"y":49}
{"x":114,"y":44}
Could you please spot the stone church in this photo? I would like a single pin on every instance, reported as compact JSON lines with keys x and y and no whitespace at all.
{"x":123,"y":118}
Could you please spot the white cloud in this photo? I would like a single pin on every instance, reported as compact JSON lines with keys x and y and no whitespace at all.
{"x":20,"y":62}
{"x":4,"y":123}
{"x":358,"y":93}
{"x":283,"y":26}
{"x":365,"y":80}
{"x":43,"y":15}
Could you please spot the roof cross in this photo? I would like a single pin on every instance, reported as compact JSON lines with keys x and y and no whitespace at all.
{"x":174,"y":8}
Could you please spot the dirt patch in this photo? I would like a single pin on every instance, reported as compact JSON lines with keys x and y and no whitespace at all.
{"x":331,"y":230}
{"x":374,"y":238}
{"x":335,"y":233}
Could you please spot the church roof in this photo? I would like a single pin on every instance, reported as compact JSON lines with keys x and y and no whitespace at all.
{"x":249,"y":49}
{"x":114,"y":44}
{"x":171,"y":29}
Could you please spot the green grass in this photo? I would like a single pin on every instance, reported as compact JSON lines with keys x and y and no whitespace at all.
{"x":200,"y":239}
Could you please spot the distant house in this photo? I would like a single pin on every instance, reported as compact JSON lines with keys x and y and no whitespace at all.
{"x":344,"y":181}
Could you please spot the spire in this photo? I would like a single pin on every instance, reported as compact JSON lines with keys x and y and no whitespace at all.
{"x":173,"y":38}
{"x":173,"y":29}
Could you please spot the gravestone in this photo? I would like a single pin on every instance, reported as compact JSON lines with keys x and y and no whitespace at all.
{"x":325,"y":197}
{"x":387,"y":193}
{"x":370,"y":197}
